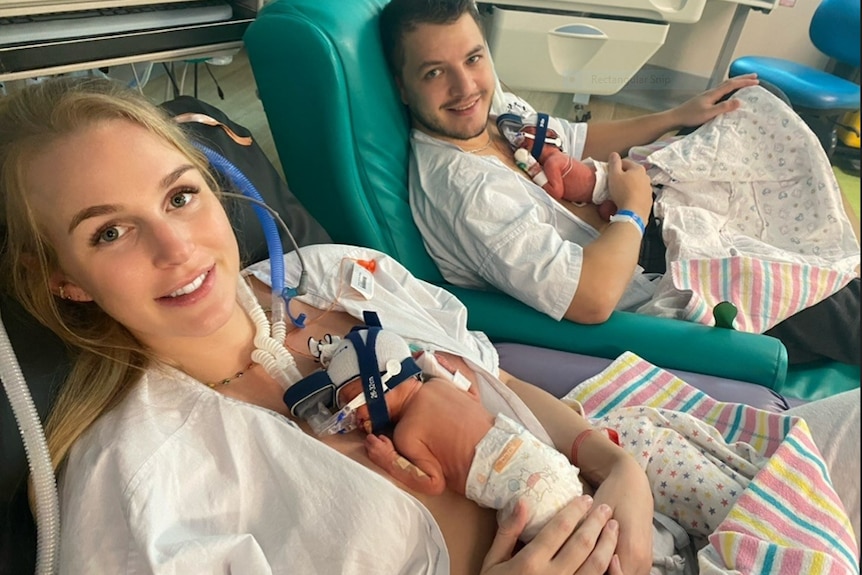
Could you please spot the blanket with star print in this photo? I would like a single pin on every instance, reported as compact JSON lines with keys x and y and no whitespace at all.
{"x":752,"y":483}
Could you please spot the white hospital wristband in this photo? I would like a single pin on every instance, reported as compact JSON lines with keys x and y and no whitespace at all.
{"x":629,"y":216}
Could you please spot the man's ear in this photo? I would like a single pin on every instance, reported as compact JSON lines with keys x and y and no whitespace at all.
{"x":400,"y":83}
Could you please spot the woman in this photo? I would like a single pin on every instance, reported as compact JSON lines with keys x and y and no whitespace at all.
{"x":131,"y":259}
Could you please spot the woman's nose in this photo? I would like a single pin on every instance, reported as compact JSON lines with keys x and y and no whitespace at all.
{"x":172,"y":245}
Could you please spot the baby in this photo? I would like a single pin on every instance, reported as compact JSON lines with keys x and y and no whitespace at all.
{"x":564,"y":177}
{"x":560,"y":175}
{"x":443,"y":437}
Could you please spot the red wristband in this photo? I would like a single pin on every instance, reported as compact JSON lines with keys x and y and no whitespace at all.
{"x":582,"y":436}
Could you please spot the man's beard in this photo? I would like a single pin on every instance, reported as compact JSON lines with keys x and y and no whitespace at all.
{"x":433,"y":127}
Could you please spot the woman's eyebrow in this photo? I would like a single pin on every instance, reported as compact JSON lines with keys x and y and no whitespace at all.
{"x":168,"y":180}
{"x":91,"y":212}
{"x":104,"y":209}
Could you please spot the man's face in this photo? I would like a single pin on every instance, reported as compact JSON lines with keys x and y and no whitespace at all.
{"x":447,"y":79}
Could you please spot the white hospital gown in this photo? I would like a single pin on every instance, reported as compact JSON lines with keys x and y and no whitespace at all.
{"x":488,"y":227}
{"x":181,"y":479}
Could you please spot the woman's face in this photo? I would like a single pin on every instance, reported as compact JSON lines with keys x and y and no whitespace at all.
{"x":136,"y":230}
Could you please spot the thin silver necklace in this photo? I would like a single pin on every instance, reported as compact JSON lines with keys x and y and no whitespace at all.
{"x":480,"y":148}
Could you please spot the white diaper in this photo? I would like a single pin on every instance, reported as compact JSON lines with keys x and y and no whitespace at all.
{"x":511,"y":464}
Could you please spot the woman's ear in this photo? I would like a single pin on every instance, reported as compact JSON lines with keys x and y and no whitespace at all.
{"x":67,"y":290}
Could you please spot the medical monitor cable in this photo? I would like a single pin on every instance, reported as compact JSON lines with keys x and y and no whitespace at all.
{"x":270,"y":351}
{"x":301,"y":286}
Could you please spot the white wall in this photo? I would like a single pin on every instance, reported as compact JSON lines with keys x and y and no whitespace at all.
{"x":783,"y":33}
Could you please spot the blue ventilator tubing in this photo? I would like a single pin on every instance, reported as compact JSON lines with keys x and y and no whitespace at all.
{"x":270,"y":230}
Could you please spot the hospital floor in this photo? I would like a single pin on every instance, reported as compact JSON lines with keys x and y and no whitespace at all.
{"x":242,"y":105}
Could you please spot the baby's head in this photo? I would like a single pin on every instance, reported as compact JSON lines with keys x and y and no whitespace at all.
{"x":396,"y":400}
{"x":393,"y":372}
{"x":523,"y":131}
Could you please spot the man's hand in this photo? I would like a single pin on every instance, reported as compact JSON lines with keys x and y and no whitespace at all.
{"x":629,"y":186}
{"x":707,"y":105}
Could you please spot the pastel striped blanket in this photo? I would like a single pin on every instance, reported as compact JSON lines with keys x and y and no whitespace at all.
{"x":764,"y":292}
{"x":786,"y":519}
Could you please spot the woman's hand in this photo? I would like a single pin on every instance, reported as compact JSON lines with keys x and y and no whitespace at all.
{"x":627,"y":491}
{"x":579,"y":540}
{"x":707,"y":105}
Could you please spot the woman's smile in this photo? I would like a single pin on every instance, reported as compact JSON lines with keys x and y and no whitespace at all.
{"x":192,"y":292}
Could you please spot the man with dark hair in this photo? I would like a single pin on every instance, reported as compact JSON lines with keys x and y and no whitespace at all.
{"x":486,"y":224}
{"x":398,"y":18}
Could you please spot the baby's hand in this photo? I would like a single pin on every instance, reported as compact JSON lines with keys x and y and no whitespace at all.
{"x":382,"y":452}
{"x":380,"y":449}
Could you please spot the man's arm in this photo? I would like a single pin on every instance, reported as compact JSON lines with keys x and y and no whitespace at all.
{"x":609,"y":261}
{"x":620,"y":135}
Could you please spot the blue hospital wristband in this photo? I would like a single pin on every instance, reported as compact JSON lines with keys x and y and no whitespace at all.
{"x":629,"y":216}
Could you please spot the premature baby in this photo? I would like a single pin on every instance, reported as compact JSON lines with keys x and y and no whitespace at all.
{"x":565,"y":178}
{"x":560,"y":175}
{"x":442,"y":437}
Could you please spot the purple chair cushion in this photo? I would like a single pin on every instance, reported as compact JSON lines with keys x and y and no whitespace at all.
{"x":558,"y":372}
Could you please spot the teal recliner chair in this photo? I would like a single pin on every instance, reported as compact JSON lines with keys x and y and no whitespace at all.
{"x":342,"y":137}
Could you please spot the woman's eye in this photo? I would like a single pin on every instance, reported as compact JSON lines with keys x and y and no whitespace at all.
{"x":181,"y":199}
{"x":108,"y":235}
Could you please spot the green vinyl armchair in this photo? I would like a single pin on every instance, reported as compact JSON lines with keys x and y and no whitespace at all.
{"x":342,"y":136}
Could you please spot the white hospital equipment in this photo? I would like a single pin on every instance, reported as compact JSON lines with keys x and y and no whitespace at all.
{"x":592,"y":47}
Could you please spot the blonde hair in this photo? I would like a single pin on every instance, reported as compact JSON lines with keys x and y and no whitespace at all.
{"x":107,"y":358}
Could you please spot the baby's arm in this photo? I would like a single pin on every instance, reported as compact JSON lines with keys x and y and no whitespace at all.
{"x":423,"y":473}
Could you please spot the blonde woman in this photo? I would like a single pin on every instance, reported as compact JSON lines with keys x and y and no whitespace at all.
{"x":173,"y":446}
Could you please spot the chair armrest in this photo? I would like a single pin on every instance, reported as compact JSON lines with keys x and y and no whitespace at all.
{"x":819,"y":379}
{"x":668,"y":343}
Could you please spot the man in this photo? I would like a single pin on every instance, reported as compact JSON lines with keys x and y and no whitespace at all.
{"x":486,"y":224}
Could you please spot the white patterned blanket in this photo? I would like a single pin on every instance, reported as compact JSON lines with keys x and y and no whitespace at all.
{"x":752,"y":214}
